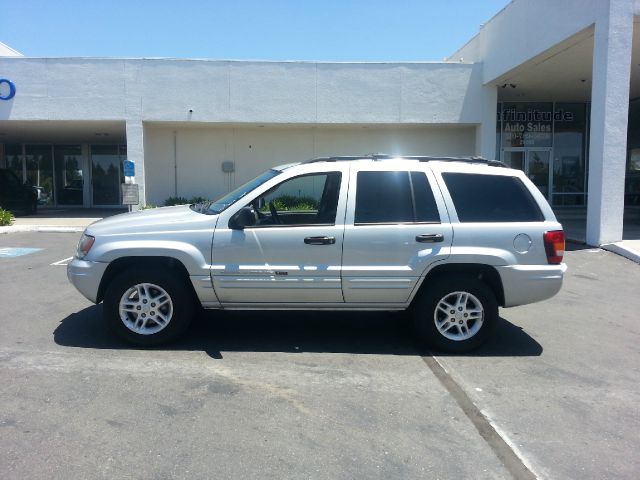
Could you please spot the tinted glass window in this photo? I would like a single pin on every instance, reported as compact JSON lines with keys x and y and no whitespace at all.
{"x":426,"y":208}
{"x":387,"y":197}
{"x":491,"y":198}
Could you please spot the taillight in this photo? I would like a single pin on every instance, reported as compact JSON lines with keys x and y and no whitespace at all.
{"x":554,"y":246}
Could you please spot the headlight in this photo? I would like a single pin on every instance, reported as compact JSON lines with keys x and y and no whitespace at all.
{"x":84,"y":245}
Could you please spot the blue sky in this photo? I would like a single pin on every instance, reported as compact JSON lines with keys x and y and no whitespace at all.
{"x":244,"y":29}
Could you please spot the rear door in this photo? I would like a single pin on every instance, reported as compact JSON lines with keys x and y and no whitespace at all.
{"x":396,"y":226}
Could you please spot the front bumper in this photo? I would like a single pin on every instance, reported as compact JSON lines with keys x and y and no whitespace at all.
{"x":86,"y":276}
{"x":523,"y":284}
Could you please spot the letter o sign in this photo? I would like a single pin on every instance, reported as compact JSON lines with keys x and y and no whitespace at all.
{"x":11,"y":86}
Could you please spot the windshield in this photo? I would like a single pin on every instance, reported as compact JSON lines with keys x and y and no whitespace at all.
{"x":230,"y":198}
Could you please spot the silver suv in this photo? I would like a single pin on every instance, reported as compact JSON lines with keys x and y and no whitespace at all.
{"x":448,"y":239}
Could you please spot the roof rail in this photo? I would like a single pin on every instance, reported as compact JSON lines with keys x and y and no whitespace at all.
{"x":419,"y":158}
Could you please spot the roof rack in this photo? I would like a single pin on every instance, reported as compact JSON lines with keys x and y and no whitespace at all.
{"x":419,"y":158}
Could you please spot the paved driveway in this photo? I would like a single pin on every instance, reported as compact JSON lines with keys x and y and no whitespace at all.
{"x":299,"y":395}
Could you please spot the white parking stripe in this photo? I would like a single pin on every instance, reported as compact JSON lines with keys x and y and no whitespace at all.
{"x":63,"y":262}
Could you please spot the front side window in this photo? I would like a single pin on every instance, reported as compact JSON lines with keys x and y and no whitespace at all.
{"x":491,"y":198}
{"x":394,"y":197}
{"x":304,"y":200}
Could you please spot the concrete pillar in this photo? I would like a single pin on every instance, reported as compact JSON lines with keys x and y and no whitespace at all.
{"x":135,"y":153}
{"x":609,"y":112}
{"x":486,"y":131}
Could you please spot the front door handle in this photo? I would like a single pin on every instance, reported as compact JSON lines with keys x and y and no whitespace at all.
{"x":320,"y":240}
{"x":430,"y":238}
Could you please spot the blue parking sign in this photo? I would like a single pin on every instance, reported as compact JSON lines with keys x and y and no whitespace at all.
{"x":129,"y":168}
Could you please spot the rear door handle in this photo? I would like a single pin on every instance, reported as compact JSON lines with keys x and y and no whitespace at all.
{"x":320,"y":240}
{"x":430,"y":238}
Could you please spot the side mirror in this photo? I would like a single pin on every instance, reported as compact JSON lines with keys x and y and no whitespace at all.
{"x":246,"y":217}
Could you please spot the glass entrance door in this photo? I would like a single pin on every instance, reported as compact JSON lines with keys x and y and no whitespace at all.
{"x":69,"y":180}
{"x":39,"y":167}
{"x":535,"y":162}
{"x":538,"y":169}
{"x":514,"y":158}
{"x":106,"y":175}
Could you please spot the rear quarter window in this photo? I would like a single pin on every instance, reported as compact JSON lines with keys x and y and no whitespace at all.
{"x":491,"y":198}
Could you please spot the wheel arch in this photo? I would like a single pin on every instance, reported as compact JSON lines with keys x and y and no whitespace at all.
{"x":124,"y":263}
{"x":483,"y":272}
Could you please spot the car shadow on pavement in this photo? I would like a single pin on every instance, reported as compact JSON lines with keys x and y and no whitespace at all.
{"x":216,"y":332}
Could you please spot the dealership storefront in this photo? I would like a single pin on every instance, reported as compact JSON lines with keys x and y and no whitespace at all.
{"x":548,"y":140}
{"x":80,"y":175}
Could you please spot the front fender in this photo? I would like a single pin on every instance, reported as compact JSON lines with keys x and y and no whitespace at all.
{"x":189,"y":255}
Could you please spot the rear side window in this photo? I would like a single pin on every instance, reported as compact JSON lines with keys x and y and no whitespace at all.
{"x":394,"y":197}
{"x":491,"y":198}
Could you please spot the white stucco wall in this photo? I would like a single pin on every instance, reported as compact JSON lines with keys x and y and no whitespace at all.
{"x":525,"y":28}
{"x":200,"y":151}
{"x":243,"y":92}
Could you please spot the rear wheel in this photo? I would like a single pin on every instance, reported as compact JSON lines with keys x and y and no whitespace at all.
{"x":148,"y":307}
{"x":455,"y":313}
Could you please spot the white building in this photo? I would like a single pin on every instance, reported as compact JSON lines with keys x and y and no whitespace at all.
{"x":545,"y":86}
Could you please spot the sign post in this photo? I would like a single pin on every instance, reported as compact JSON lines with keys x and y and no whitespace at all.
{"x":130,"y":191}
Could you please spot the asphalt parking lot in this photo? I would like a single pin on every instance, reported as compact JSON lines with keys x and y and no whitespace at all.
{"x":555,"y":394}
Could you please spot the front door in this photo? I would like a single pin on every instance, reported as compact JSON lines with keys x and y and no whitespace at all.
{"x":293,"y":254}
{"x":535,"y":162}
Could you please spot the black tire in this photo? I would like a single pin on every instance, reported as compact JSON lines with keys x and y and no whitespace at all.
{"x":439,"y":288}
{"x":181,"y":299}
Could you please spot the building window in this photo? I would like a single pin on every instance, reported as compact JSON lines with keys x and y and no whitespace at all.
{"x":632,"y":178}
{"x":569,"y":163}
{"x":548,"y":142}
{"x":528,"y":124}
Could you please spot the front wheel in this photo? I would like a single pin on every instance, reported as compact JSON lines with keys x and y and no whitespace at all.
{"x":455,"y":314}
{"x":148,"y":307}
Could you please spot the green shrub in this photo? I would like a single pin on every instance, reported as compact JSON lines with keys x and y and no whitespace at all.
{"x":6,"y":217}
{"x":149,"y":206}
{"x":169,"y":202}
{"x":198,"y":200}
{"x":286,"y":203}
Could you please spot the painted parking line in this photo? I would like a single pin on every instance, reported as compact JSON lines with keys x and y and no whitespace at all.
{"x":11,"y":252}
{"x":63,"y":262}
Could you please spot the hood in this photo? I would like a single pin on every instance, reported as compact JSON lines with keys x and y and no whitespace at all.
{"x":177,"y":218}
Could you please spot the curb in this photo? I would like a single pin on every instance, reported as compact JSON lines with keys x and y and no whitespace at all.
{"x":622,"y":250}
{"x":41,"y":228}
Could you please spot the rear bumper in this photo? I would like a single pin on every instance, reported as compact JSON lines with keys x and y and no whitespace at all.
{"x":86,"y":277}
{"x":524,"y":284}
